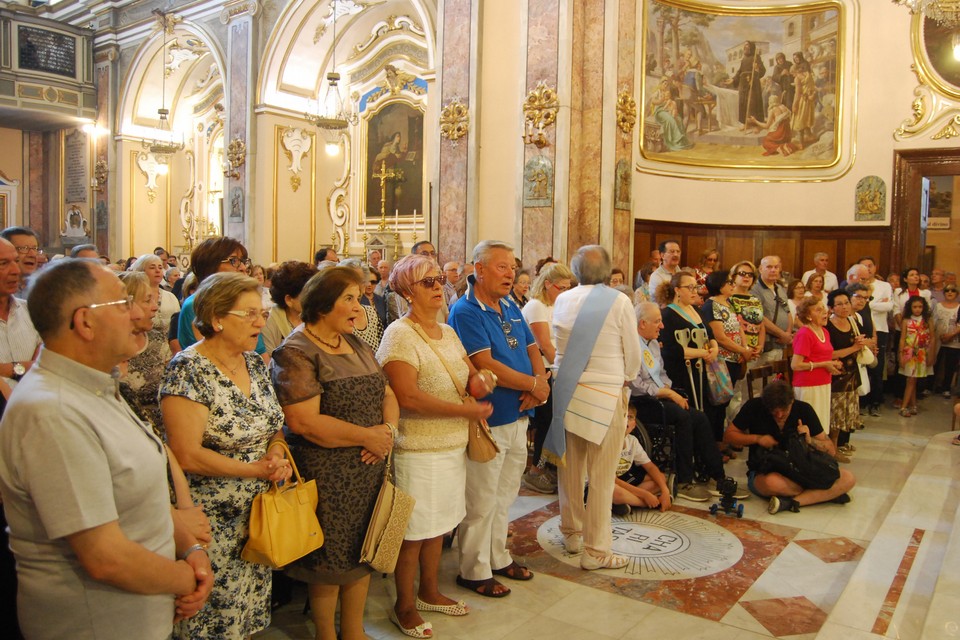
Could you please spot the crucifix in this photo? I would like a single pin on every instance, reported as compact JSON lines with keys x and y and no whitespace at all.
{"x":383,"y":176}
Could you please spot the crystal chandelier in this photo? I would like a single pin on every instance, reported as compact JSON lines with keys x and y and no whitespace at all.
{"x":944,"y":12}
{"x":166,"y":143}
{"x":332,"y":119}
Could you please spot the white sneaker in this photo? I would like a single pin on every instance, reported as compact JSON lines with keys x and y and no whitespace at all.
{"x":693,"y":492}
{"x":573,"y":544}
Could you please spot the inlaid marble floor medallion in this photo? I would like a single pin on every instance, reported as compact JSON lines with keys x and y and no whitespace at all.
{"x":660,"y":546}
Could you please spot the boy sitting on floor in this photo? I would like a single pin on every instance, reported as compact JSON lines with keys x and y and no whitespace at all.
{"x":638,"y":481}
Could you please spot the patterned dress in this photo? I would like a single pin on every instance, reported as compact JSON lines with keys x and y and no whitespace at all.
{"x":916,"y":348}
{"x":844,"y":401}
{"x":351,"y":388}
{"x":145,"y":371}
{"x":238,"y":427}
{"x":373,"y":332}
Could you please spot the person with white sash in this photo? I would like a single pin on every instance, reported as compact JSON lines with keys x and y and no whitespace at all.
{"x":598,"y":353}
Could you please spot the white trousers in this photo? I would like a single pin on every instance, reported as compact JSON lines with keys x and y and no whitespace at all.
{"x":597,"y":463}
{"x":491,"y":488}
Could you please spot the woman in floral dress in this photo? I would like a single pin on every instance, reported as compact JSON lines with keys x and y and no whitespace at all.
{"x":222,"y":418}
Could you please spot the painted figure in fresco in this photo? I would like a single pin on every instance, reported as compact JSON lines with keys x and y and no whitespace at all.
{"x":804,"y":103}
{"x":783,"y":75}
{"x":747,"y":83}
{"x":780,"y":135}
{"x":663,"y":108}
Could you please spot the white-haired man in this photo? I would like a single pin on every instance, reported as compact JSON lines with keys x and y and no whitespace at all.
{"x":821,"y":261}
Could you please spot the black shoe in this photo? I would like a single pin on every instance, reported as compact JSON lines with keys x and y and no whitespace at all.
{"x":621,"y":510}
{"x":778,"y":504}
{"x":843,"y":498}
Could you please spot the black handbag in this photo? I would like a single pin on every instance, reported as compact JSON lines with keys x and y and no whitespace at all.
{"x":793,"y":458}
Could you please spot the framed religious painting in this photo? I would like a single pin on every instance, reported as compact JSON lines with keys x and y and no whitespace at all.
{"x":393,"y":162}
{"x":758,"y":91}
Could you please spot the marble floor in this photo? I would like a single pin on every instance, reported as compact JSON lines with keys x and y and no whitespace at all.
{"x":697,"y":575}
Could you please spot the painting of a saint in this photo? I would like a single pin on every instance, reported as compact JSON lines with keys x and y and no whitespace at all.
{"x":394,"y":173}
{"x":739,"y":88}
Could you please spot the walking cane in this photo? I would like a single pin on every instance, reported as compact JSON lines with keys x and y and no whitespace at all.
{"x":682,"y":336}
{"x":753,"y":75}
{"x":699,"y":337}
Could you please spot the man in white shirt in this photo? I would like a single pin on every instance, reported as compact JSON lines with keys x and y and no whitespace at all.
{"x":19,"y":341}
{"x":593,"y":450}
{"x":820,"y":262}
{"x":669,"y":265}
{"x":880,"y":307}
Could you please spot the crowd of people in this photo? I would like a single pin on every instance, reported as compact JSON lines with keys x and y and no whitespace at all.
{"x":146,"y":411}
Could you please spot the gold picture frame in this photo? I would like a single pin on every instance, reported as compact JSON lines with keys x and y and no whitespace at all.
{"x":717,"y":80}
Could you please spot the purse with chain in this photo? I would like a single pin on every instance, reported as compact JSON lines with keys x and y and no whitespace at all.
{"x":388,"y":524}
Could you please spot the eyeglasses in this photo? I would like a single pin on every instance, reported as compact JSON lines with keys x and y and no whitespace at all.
{"x":949,"y":290}
{"x":746,"y":274}
{"x":26,"y":249}
{"x":728,"y":282}
{"x":507,"y":330}
{"x":689,"y":287}
{"x":127,"y":302}
{"x":235,"y":262}
{"x":559,"y":287}
{"x":429,"y":254}
{"x":373,"y":281}
{"x":250,"y":315}
{"x":429,"y":281}
{"x":867,"y":298}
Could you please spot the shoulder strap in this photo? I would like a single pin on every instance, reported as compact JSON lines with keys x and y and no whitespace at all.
{"x":686,"y":317}
{"x":446,"y":365}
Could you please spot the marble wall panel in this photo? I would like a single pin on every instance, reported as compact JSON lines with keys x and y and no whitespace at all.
{"x":36,"y":197}
{"x":455,"y":83}
{"x":626,"y":52}
{"x":575,"y":208}
{"x":239,"y":64}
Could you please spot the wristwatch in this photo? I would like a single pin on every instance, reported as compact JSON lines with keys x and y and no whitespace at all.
{"x":18,"y":370}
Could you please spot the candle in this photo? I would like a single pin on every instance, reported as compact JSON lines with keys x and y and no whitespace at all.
{"x":396,"y":219}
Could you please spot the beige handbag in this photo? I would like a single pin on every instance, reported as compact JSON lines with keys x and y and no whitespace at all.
{"x":481,"y":447}
{"x":388,"y":524}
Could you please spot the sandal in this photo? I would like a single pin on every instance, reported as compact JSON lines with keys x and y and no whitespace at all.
{"x":514,"y":571}
{"x":459,"y":608}
{"x":422,"y":630}
{"x":483,"y":587}
{"x":956,"y":441}
{"x":905,"y":413}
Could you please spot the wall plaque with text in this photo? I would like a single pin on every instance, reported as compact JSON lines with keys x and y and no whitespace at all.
{"x":49,"y":51}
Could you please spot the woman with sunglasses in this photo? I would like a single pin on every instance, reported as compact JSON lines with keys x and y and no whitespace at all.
{"x":340,"y":411}
{"x":222,"y":420}
{"x":430,"y":456}
{"x":554,"y":279}
{"x":747,"y":306}
{"x":948,"y":330}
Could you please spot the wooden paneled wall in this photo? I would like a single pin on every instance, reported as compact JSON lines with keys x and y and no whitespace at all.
{"x":795,"y":245}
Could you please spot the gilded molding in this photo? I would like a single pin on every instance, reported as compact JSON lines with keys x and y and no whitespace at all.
{"x":932,"y":113}
{"x":626,"y":112}
{"x":239,"y":8}
{"x":539,"y":111}
{"x":296,"y":145}
{"x":454,"y":120}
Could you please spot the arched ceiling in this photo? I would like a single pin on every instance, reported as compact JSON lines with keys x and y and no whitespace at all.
{"x":300,"y":52}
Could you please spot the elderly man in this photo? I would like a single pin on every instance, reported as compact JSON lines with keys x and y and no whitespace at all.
{"x":776,"y":312}
{"x":669,"y":251}
{"x":936,"y":284}
{"x":760,"y":425}
{"x":497,"y":338}
{"x":881,"y":305}
{"x":693,"y":432}
{"x":325,"y":254}
{"x":821,"y":261}
{"x":27,"y":243}
{"x":598,"y":354}
{"x":373,"y":258}
{"x":383,"y":268}
{"x":99,"y":553}
{"x":85,"y":251}
{"x":19,"y":341}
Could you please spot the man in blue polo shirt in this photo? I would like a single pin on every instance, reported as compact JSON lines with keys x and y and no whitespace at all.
{"x":497,"y":338}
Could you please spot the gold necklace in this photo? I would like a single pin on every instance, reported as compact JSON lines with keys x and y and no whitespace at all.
{"x":232,"y":371}
{"x":322,"y":341}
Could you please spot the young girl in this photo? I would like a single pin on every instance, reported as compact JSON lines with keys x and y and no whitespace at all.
{"x":916,"y":349}
{"x":638,"y":479}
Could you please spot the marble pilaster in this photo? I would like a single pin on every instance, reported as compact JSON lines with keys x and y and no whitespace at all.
{"x":457,"y":49}
{"x":626,"y":56}
{"x":105,"y":79}
{"x":37,"y":188}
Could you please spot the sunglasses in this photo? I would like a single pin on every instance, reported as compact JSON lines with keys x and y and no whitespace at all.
{"x":429,"y":281}
{"x":507,"y":330}
{"x":949,"y":290}
{"x":745,"y":274}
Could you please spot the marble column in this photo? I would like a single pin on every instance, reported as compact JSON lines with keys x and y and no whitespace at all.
{"x":103,"y":152}
{"x":622,"y":252}
{"x":239,"y":16}
{"x":454,"y":225}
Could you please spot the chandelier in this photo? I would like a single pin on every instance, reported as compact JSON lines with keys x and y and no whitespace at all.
{"x":167,"y":142}
{"x":944,"y":12}
{"x":332,"y":119}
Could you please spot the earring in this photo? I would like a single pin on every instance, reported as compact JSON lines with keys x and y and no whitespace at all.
{"x":409,"y":300}
{"x":219,"y":327}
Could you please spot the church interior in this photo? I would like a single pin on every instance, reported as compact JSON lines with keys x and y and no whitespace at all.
{"x":549,"y":124}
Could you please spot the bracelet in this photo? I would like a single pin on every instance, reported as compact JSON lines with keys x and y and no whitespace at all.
{"x":191,"y":549}
{"x":393,"y":429}
{"x":534,"y":384}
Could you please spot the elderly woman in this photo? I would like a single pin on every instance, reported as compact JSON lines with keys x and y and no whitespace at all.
{"x":554,"y":279}
{"x":521,"y":284}
{"x":168,"y":303}
{"x":285,"y":288}
{"x":213,"y":255}
{"x":430,"y":454}
{"x":367,"y":325}
{"x":144,"y":372}
{"x":371,"y":298}
{"x":340,"y":412}
{"x":847,"y":338}
{"x":222,"y":418}
{"x":813,"y":362}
